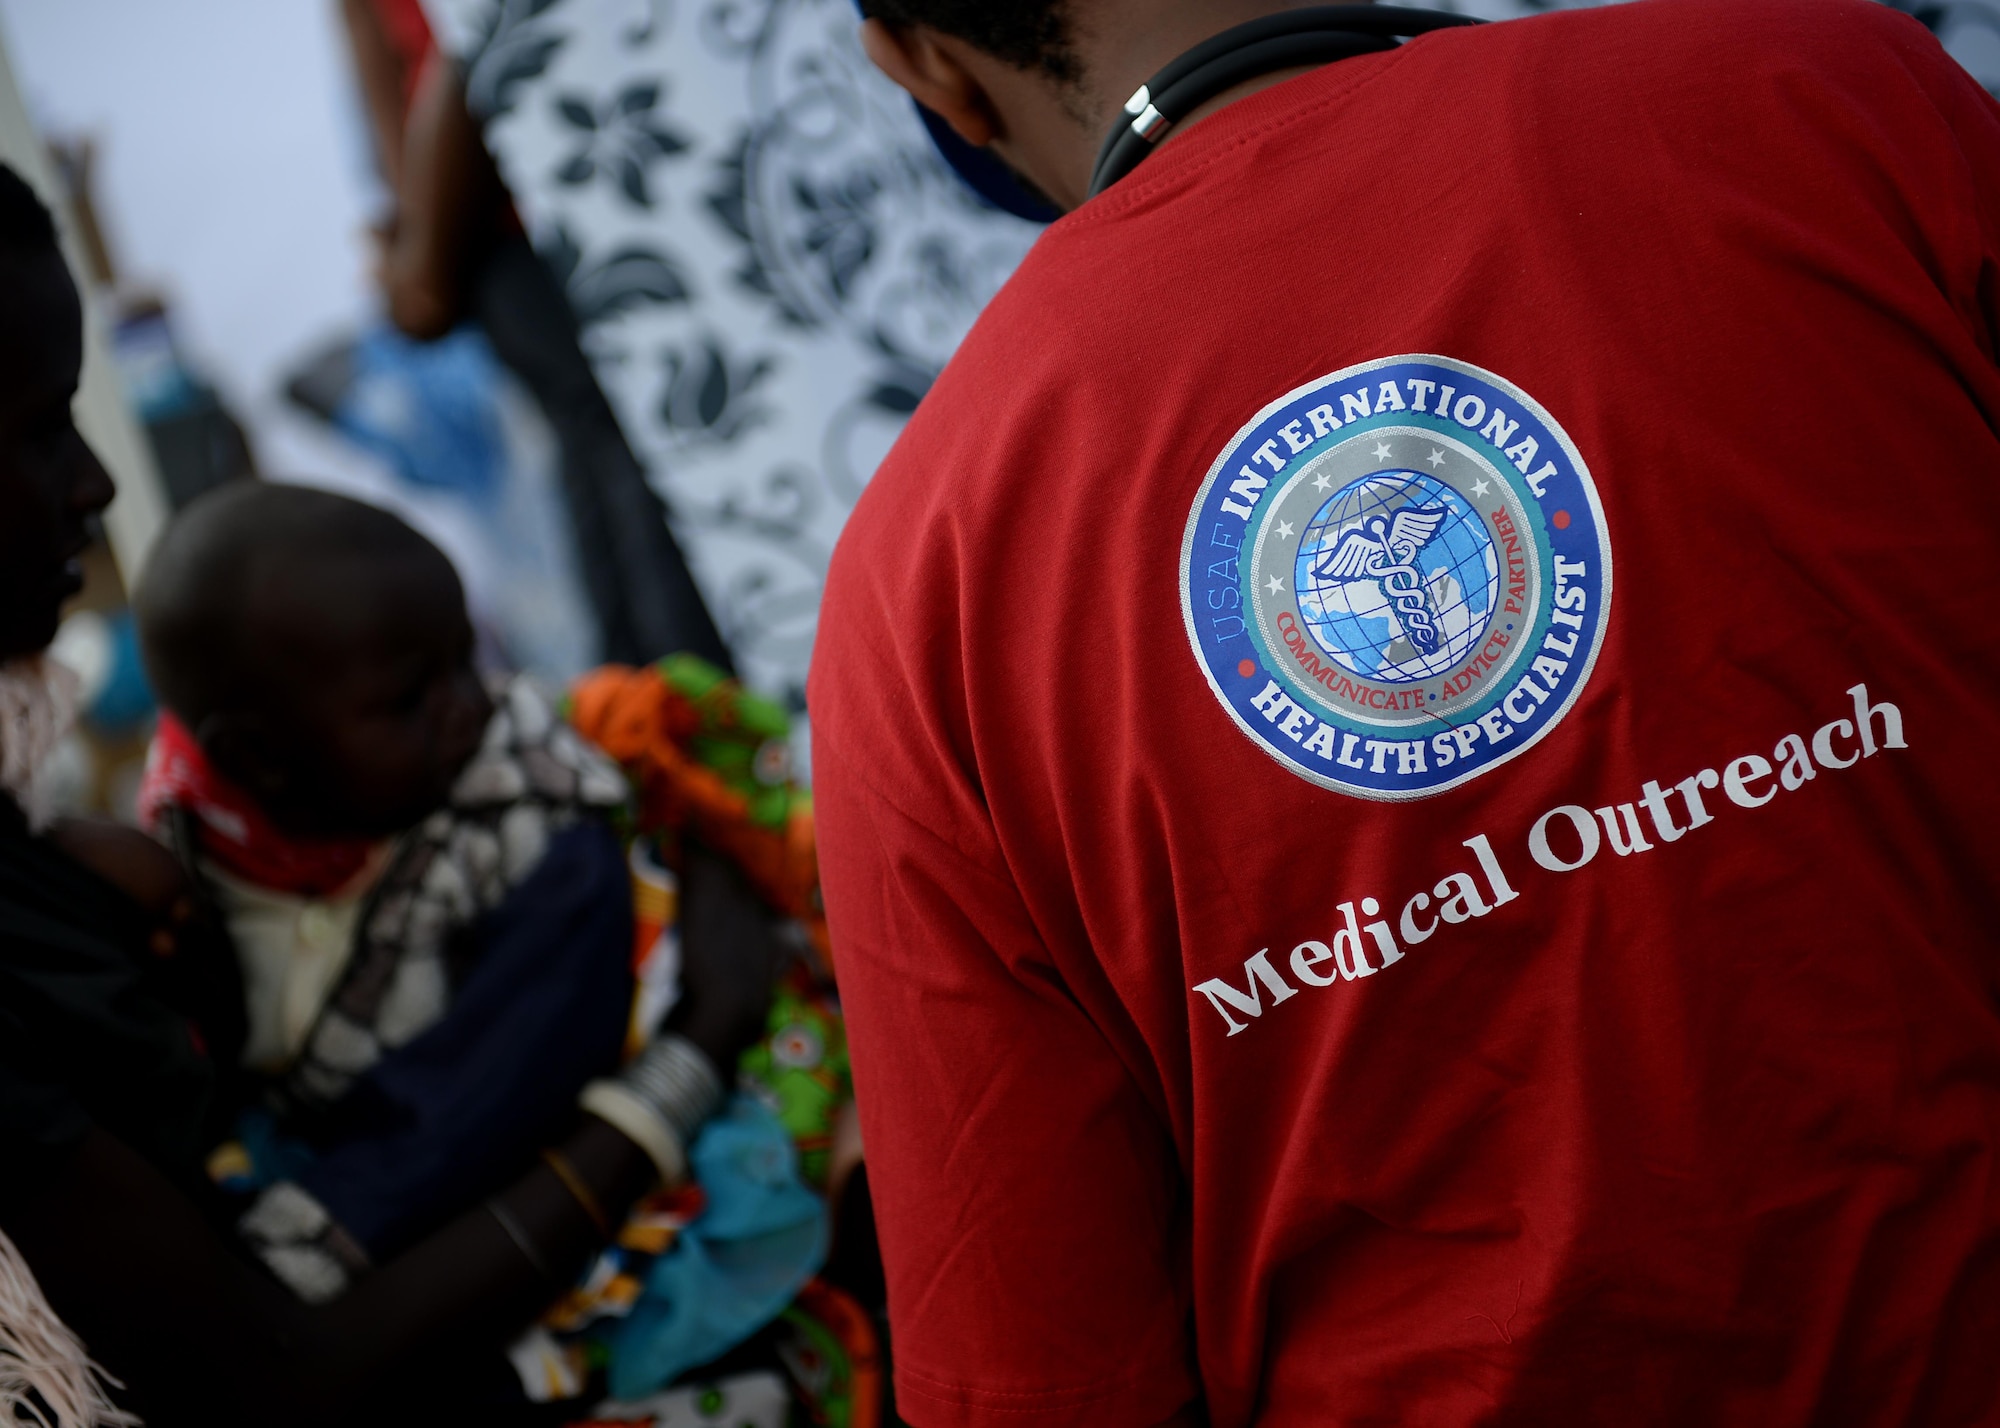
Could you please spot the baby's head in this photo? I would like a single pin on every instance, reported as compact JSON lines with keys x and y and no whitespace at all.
{"x":318,"y":649}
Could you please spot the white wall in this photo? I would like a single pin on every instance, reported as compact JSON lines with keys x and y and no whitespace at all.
{"x":233,"y":171}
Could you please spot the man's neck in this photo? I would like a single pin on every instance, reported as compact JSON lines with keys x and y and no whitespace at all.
{"x":1120,"y":44}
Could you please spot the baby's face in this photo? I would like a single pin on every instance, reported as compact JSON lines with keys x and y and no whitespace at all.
{"x":383,"y":705}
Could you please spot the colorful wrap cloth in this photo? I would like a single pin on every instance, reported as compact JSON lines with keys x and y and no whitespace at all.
{"x":706,"y":756}
{"x":727,"y":1271}
{"x":698,"y":1271}
{"x":831,"y":1367}
{"x":751,"y":1400}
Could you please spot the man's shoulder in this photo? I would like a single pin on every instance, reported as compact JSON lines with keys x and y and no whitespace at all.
{"x":1144,"y":329}
{"x":1676,"y":29}
{"x":974,"y":457}
{"x":1648,"y":58}
{"x":977,"y":444}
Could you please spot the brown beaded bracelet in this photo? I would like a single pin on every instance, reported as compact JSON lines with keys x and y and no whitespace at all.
{"x":579,"y":1191}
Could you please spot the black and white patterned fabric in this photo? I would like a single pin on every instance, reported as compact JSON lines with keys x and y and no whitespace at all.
{"x":532,"y":777}
{"x":769,"y":260}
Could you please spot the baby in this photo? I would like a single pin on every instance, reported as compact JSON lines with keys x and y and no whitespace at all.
{"x":430,"y":909}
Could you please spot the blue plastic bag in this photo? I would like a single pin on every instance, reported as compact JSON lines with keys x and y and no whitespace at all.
{"x":762,"y":1235}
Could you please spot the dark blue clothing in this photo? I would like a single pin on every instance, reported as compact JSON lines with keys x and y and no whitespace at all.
{"x":543,"y":1006}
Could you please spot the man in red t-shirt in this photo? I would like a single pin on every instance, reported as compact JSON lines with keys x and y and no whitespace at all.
{"x":1318,"y":949}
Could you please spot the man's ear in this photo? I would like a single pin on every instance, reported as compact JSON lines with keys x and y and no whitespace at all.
{"x":240,"y":748}
{"x":927,"y":65}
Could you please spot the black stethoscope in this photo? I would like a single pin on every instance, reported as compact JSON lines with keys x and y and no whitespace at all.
{"x":1318,"y":35}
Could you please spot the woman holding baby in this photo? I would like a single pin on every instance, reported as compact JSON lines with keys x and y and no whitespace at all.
{"x":113,"y":995}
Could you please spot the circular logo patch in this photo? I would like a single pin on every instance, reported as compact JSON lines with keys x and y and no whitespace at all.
{"x":1397,"y":577}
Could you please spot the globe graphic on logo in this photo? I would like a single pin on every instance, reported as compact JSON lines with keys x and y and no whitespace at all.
{"x":1396,"y":577}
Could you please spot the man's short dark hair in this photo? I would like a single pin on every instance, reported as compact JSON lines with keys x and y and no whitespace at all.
{"x":26,"y":227}
{"x":1028,"y":34}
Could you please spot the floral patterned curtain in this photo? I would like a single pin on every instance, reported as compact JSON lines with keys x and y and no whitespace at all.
{"x":770,"y":262}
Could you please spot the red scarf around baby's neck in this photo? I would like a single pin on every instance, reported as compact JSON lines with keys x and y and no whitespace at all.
{"x":233,"y":830}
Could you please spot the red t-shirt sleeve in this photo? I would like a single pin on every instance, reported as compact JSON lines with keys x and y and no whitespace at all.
{"x":1971,"y":201}
{"x":1974,"y":117}
{"x":1030,"y":1203}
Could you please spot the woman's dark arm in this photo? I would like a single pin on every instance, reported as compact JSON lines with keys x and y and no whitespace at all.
{"x":435,"y":164}
{"x":200,"y":1335}
{"x":446,"y":186}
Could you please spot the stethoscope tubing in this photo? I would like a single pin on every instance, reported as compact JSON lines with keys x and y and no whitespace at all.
{"x":1320,"y":34}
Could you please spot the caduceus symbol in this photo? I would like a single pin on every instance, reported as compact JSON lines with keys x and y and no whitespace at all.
{"x":1384,"y":548}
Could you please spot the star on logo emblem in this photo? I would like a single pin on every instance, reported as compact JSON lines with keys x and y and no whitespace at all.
{"x":1322,"y":481}
{"x":1274,"y":585}
{"x":1481,"y":487}
{"x":1382,"y":451}
{"x":1436,"y":458}
{"x":1284,"y":530}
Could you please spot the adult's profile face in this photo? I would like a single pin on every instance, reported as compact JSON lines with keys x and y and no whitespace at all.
{"x":51,"y":483}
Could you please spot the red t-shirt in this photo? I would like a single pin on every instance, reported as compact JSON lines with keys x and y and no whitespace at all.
{"x":1310,"y":936}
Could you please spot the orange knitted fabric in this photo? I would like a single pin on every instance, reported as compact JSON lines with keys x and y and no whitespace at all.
{"x":653,"y":726}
